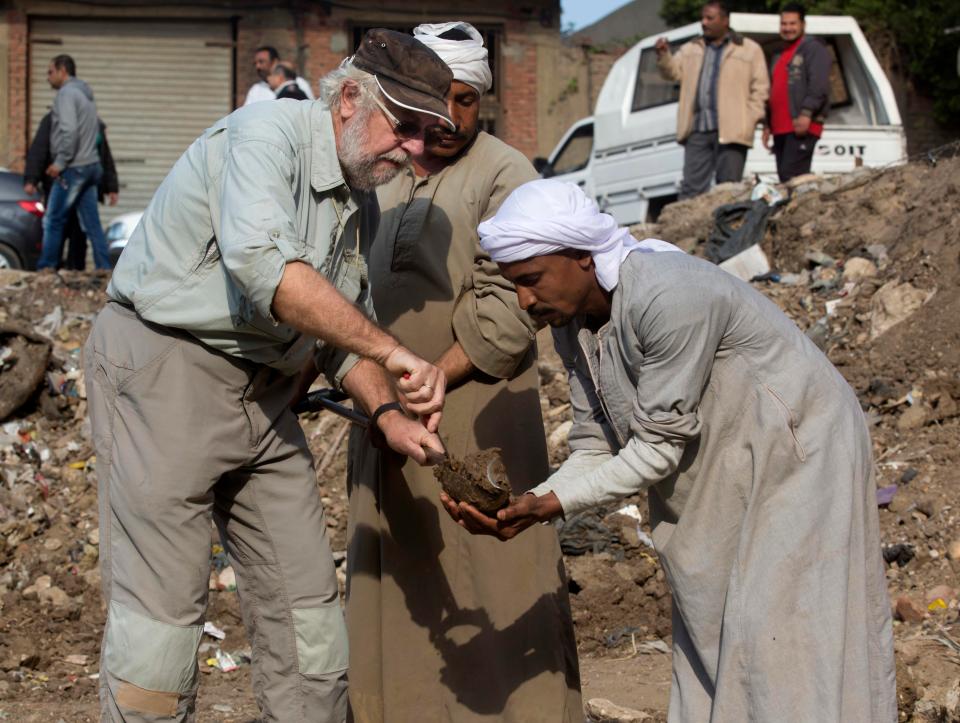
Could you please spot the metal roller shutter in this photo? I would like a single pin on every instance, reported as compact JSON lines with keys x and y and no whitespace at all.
{"x":157,"y":85}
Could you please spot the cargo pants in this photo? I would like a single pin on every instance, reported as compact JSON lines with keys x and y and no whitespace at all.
{"x":183,"y":435}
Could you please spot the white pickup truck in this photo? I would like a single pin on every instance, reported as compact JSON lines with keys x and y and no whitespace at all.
{"x":627,"y":157}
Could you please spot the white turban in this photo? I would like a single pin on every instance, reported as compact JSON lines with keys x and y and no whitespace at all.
{"x":546,"y":216}
{"x":466,"y":58}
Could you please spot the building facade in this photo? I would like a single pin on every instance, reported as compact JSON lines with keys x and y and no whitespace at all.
{"x":163,"y":71}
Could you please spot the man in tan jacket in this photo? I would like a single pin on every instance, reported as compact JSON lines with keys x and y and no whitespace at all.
{"x":723,"y":90}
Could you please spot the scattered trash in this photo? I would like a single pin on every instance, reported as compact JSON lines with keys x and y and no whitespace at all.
{"x":224,"y":661}
{"x":747,"y":264}
{"x":222,"y":708}
{"x":885,"y":495}
{"x":77,"y":659}
{"x":213,"y":631}
{"x":900,"y":553}
{"x":227,"y":580}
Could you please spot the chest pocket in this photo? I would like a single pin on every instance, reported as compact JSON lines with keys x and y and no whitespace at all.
{"x":409,"y":235}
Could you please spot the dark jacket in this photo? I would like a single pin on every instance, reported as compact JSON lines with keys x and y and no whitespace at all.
{"x":808,"y":79}
{"x":39,"y":157}
{"x":291,"y":90}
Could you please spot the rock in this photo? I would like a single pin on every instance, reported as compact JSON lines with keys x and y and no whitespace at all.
{"x":601,"y":710}
{"x":927,"y":505}
{"x":912,"y":418}
{"x":93,"y":537}
{"x":909,"y":610}
{"x":953,"y":549}
{"x":41,"y":584}
{"x":52,"y":544}
{"x":92,"y":577}
{"x":55,"y":597}
{"x":857,"y":269}
{"x":894,"y":302}
{"x":558,"y":437}
{"x":77,"y":659}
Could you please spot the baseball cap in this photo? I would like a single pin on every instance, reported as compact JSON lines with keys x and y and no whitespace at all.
{"x":408,"y":73}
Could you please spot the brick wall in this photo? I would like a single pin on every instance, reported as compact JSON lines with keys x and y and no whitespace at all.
{"x":519,"y":96}
{"x":316,"y":39}
{"x":17,"y":84}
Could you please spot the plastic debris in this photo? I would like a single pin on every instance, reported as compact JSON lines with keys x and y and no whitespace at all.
{"x":885,"y":495}
{"x":213,"y":631}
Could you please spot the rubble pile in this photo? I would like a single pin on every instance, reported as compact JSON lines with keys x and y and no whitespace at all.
{"x":867,"y":264}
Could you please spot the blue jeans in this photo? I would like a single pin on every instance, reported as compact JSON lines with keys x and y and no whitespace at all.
{"x":76,"y":186}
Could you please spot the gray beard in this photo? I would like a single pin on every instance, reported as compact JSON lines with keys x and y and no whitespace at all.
{"x":361,"y":168}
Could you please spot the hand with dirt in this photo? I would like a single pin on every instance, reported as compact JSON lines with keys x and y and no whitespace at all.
{"x":420,"y":385}
{"x":410,"y":438}
{"x":524,"y":511}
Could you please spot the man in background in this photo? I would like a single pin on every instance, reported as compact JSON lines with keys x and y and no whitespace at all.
{"x":265,"y":58}
{"x":75,"y":168}
{"x":283,"y":82}
{"x":34,"y":174}
{"x":723,"y":89}
{"x":799,"y":95}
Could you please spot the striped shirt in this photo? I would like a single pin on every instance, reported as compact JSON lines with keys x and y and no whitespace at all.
{"x":705,"y":111}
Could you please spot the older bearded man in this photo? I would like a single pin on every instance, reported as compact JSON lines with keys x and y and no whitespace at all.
{"x":252,"y":249}
{"x":444,"y":626}
{"x":687,"y":381}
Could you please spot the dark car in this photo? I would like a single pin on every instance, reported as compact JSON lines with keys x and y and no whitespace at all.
{"x":21,"y":229}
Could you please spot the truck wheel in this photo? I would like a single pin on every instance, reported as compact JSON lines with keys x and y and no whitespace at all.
{"x":9,"y":258}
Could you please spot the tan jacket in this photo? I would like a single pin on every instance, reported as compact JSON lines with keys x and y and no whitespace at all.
{"x":742,"y":88}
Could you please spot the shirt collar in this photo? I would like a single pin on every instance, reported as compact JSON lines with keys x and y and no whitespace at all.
{"x":326,"y":173}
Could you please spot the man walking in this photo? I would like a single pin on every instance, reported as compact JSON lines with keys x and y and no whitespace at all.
{"x":689,"y":383}
{"x":76,"y":170}
{"x":799,"y":95}
{"x":416,"y":581}
{"x":723,"y":89}
{"x":265,"y":59}
{"x":245,"y":269}
{"x":35,"y":176}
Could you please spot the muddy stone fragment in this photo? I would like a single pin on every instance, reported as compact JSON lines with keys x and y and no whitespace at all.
{"x":466,"y":480}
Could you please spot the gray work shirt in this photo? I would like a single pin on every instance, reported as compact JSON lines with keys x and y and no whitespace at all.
{"x":261,"y":188}
{"x":705,"y":112}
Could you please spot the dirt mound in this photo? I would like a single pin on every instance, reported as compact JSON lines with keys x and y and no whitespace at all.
{"x":867,"y":264}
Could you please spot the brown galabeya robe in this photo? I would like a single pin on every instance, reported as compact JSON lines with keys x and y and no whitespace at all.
{"x":446,"y":626}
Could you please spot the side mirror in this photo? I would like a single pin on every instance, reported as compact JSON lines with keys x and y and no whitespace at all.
{"x":542,"y":166}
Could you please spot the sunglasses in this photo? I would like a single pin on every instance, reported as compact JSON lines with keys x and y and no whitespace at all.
{"x":404,"y":130}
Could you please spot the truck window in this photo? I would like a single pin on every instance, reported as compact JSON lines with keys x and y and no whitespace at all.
{"x":575,"y":153}
{"x":854,"y":97}
{"x":652,"y":89}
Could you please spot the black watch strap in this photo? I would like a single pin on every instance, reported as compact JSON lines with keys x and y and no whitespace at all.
{"x":383,"y":409}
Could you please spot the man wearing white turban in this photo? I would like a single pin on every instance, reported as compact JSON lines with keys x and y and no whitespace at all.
{"x":689,"y":384}
{"x":444,"y":626}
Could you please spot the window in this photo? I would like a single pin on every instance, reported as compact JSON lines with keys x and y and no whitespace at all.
{"x":653,"y":89}
{"x":575,"y":153}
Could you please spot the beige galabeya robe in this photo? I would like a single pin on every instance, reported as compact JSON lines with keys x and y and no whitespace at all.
{"x":762,"y":496}
{"x":446,"y":626}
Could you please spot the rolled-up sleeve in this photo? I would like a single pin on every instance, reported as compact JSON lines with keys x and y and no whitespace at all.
{"x":489,"y":324}
{"x":256,"y":228}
